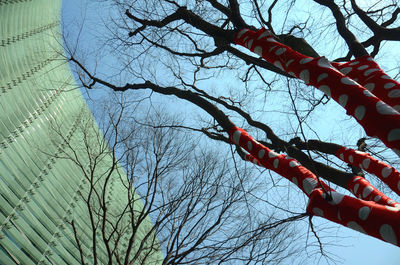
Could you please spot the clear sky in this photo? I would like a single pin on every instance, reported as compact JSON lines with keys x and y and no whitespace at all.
{"x":353,"y":248}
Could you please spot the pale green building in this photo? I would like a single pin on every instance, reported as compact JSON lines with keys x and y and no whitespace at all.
{"x":40,"y":107}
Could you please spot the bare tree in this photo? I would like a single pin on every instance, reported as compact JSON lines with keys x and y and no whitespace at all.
{"x":177,"y":203}
{"x":185,"y":48}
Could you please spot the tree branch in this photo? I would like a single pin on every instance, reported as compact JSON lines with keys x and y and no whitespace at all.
{"x":354,"y":45}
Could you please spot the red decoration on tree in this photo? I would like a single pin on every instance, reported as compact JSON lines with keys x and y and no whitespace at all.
{"x":362,"y":189}
{"x":376,"y":117}
{"x":374,"y":213}
{"x":365,"y":71}
{"x":377,"y":220}
{"x":388,"y":174}
{"x":283,"y":165}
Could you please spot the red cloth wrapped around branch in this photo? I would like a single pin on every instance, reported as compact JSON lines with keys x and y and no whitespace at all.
{"x":283,"y":165}
{"x":375,"y":214}
{"x":377,"y":220}
{"x":376,"y":117}
{"x":388,"y":174}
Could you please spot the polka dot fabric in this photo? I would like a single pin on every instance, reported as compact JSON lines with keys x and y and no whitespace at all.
{"x":367,"y":73}
{"x":368,"y":217}
{"x":349,"y":84}
{"x":388,"y":174}
{"x":363,"y":189}
{"x":374,"y":214}
{"x":377,"y":118}
{"x":279,"y":163}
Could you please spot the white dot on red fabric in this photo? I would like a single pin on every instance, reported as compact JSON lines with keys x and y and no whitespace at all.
{"x":264,"y":34}
{"x":370,"y":86}
{"x":359,"y":114}
{"x":336,"y":197}
{"x":363,"y":213}
{"x":272,"y":48}
{"x":346,"y":70}
{"x":341,"y":156}
{"x":305,"y":76}
{"x":255,"y":161}
{"x":386,"y":77}
{"x":249,"y":145}
{"x":272,"y":154}
{"x":236,"y":136}
{"x":351,"y":159}
{"x":289,"y":62}
{"x":318,"y":211}
{"x":356,"y":188}
{"x":245,"y":38}
{"x":294,"y":180}
{"x":292,"y":74}
{"x":393,"y":209}
{"x":386,"y":172}
{"x":370,"y":59}
{"x":355,"y":226}
{"x":354,"y":63}
{"x":356,"y":179}
{"x":367,"y":191}
{"x":389,"y":85}
{"x":387,"y":234}
{"x":325,"y":89}
{"x":343,"y":100}
{"x":338,"y":216}
{"x":309,"y":184}
{"x":280,"y":51}
{"x":394,"y":135}
{"x":323,"y":62}
{"x":278,"y":64}
{"x":305,"y":60}
{"x":241,"y":32}
{"x":367,"y":93}
{"x":322,"y":77}
{"x":370,"y":71}
{"x":271,"y":40}
{"x":347,"y":81}
{"x":276,"y":163}
{"x":261,"y":153}
{"x":377,"y":198}
{"x":366,"y":163}
{"x":258,"y":50}
{"x":395,"y":93}
{"x":362,"y":67}
{"x":385,"y":109}
{"x":250,"y":43}
{"x":293,"y":164}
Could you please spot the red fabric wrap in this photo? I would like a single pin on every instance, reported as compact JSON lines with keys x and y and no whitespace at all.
{"x":363,"y":189}
{"x":388,"y":174}
{"x":279,"y":163}
{"x":374,"y":214}
{"x":365,"y":71}
{"x":380,"y":221}
{"x":376,"y":117}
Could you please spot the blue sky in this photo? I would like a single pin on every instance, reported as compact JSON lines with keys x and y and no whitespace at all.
{"x":353,"y":248}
